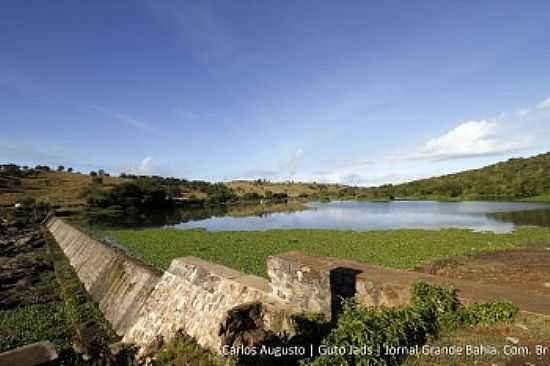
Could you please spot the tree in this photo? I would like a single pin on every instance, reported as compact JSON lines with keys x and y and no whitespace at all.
{"x":60,"y":168}
{"x":93,"y":174}
{"x":70,"y":170}
{"x":42,"y":168}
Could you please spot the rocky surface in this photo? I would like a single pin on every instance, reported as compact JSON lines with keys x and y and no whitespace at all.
{"x":214,"y":304}
{"x":24,"y":267}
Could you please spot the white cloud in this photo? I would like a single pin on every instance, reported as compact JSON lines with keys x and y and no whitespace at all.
{"x":544,"y":104}
{"x":149,"y":166}
{"x":471,"y":139}
{"x":499,"y":136}
{"x":146,"y":164}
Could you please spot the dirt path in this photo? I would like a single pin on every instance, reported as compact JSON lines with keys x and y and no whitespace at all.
{"x":521,"y":270}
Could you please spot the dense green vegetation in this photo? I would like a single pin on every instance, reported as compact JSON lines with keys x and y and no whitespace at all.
{"x":129,"y":196}
{"x":515,"y":179}
{"x":248,"y":251}
{"x":432,"y":309}
{"x":183,"y":350}
{"x":34,"y":323}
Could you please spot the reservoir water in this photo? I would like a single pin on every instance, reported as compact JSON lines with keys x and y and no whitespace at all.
{"x":498,"y":217}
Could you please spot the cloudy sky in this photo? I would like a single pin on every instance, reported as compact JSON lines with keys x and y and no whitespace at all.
{"x":357,"y":92}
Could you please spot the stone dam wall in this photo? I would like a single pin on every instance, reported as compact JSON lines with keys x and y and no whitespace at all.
{"x":220,"y":306}
{"x":117,"y":282}
{"x":198,"y":297}
{"x":214,"y":304}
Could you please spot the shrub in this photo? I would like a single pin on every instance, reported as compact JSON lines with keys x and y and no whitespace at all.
{"x":371,"y":329}
{"x":139,"y":194}
{"x":432,"y":309}
{"x":219,"y":194}
{"x":489,"y":313}
{"x":29,"y":212}
{"x":183,"y":350}
{"x":438,"y":305}
{"x":251,"y":196}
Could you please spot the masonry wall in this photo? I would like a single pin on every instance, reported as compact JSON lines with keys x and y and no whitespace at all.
{"x":214,"y":304}
{"x":318,"y":284}
{"x":196,"y":296}
{"x":302,"y":280}
{"x":118,"y":283}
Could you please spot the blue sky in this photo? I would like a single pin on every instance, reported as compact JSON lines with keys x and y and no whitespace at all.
{"x":359,"y":92}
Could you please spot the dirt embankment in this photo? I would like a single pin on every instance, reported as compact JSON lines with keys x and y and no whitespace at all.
{"x":520,"y":269}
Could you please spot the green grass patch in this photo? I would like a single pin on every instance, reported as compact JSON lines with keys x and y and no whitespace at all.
{"x":248,"y":251}
{"x":34,"y":323}
{"x":541,"y":198}
{"x":182,"y":350}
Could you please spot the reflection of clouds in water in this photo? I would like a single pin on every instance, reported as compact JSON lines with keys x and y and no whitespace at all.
{"x":363,"y":216}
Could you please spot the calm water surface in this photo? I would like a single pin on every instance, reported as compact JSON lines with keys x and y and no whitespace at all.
{"x":499,"y":217}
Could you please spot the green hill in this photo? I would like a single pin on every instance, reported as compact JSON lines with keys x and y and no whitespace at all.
{"x":517,"y":179}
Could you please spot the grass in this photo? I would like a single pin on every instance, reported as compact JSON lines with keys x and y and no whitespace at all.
{"x":79,"y":306}
{"x":41,"y":313}
{"x":542,"y":199}
{"x":34,"y":323}
{"x":56,"y":188}
{"x":182,"y":350}
{"x":529,"y":330}
{"x":248,"y":251}
{"x":293,"y":190}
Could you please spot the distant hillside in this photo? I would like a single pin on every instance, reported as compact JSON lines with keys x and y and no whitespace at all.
{"x":57,"y":188}
{"x":518,"y":179}
{"x":292,"y":189}
{"x":66,"y":189}
{"x":515,"y":179}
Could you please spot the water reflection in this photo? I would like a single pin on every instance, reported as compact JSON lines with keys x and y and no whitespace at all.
{"x":362,"y":216}
{"x":539,"y":217}
{"x":175,"y":216}
{"x":344,"y":215}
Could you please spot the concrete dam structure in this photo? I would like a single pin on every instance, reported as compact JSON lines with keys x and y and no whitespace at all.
{"x":221,"y":306}
{"x":202,"y":299}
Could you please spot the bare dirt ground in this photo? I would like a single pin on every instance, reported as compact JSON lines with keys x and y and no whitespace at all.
{"x":525,"y":269}
{"x":522,"y":270}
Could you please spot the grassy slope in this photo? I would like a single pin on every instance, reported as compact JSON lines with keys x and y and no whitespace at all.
{"x":525,"y":179}
{"x":242,"y":187}
{"x":67,"y":189}
{"x":57,"y":188}
{"x":248,"y":251}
